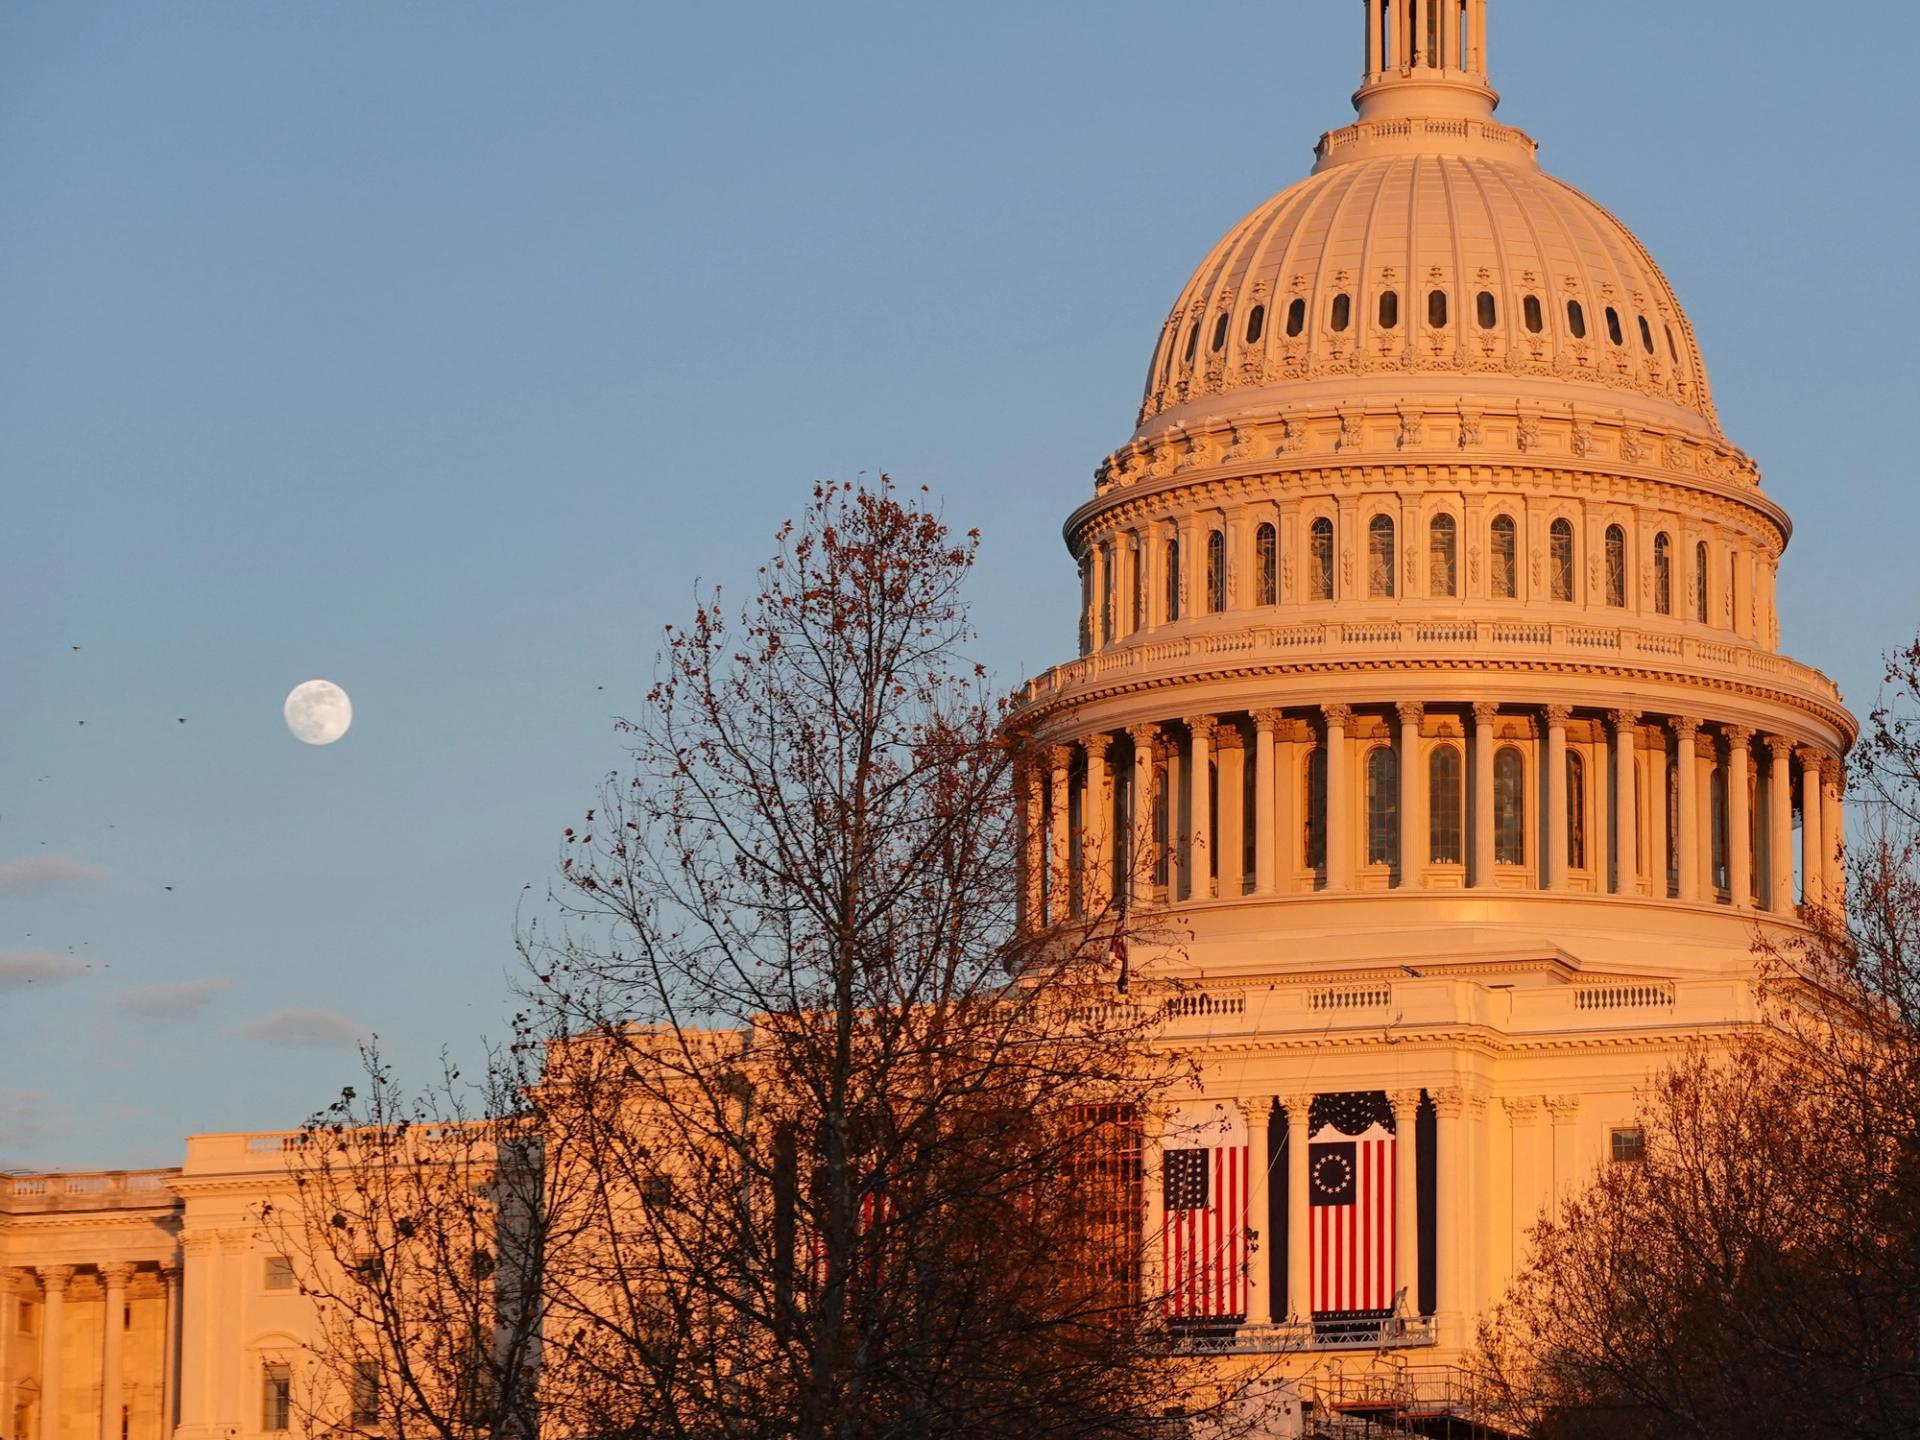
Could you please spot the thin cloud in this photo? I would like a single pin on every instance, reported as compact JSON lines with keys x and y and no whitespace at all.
{"x":25,"y":1125}
{"x":20,"y":969}
{"x":176,"y":1000}
{"x":42,"y":872}
{"x":314,"y":1029}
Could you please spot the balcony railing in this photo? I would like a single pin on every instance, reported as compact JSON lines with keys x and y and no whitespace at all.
{"x":1290,"y":1337}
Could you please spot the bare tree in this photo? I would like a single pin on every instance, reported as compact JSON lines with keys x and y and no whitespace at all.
{"x":1759,"y":1272}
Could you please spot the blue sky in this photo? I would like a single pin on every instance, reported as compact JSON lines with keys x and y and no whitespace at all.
{"x":443,"y":350}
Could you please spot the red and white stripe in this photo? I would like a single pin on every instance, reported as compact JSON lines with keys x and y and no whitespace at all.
{"x":1353,"y":1246}
{"x":1206,"y":1250}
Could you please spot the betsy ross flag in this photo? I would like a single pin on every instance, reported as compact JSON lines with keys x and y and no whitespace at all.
{"x":1350,"y":1190}
{"x":1203,"y":1233}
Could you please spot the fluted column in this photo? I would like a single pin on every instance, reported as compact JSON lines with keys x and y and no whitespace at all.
{"x":1454,"y":1206}
{"x":1779,"y":825}
{"x":1406,"y":1194}
{"x":1200,"y":807}
{"x":1832,"y":830}
{"x":1059,"y":833}
{"x":170,"y":1352}
{"x":1739,"y":818}
{"x":1339,"y":799}
{"x":1565,"y":1110}
{"x":1032,"y":839}
{"x":1412,"y":863}
{"x":1140,"y":838}
{"x":1230,"y":753}
{"x":1266,"y":836}
{"x":1686,"y":759}
{"x":1813,"y":848}
{"x":1374,"y":61}
{"x":1299,"y":1265}
{"x":1259,"y":1256}
{"x":1555,"y":779}
{"x":1484,"y":713}
{"x":1096,"y":825}
{"x":1626,"y":784}
{"x":1659,"y":838}
{"x":54,"y":1280}
{"x":1100,"y":623}
{"x":113,"y":1349}
{"x":1529,"y":1189}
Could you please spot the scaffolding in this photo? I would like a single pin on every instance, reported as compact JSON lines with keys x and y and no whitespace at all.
{"x":1440,"y":1401}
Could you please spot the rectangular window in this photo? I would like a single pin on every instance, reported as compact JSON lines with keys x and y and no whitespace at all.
{"x":276,"y":1399}
{"x":279,"y":1274}
{"x":366,"y":1394}
{"x":1628,"y":1145}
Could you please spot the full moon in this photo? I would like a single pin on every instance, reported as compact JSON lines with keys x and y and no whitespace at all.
{"x":318,"y":712}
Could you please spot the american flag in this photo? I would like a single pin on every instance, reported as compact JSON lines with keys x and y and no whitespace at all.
{"x":1203,"y":1232}
{"x":1350,"y":1185}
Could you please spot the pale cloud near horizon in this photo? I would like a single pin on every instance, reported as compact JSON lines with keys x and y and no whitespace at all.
{"x":173,"y":1000}
{"x":40,"y":872}
{"x":306,"y":1027}
{"x":24,"y":1125}
{"x":22,"y":968}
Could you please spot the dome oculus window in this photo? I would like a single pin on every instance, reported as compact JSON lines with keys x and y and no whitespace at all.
{"x":1614,"y":332}
{"x":1486,"y":312}
{"x":1536,"y":321}
{"x":1506,"y":571}
{"x":1672,"y":349}
{"x":1220,"y":332}
{"x":1256,"y":324}
{"x":1320,"y":557}
{"x":1389,"y":309}
{"x":1560,"y":545}
{"x":1646,"y":335}
{"x":1342,"y":311}
{"x":1296,"y":318}
{"x":1380,"y":557}
{"x":1193,"y":342}
{"x":1577,"y":319}
{"x":1437,"y":309}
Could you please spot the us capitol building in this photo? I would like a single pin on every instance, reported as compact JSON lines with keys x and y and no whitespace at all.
{"x":1429,"y":686}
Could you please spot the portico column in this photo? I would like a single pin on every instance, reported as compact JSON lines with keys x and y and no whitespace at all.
{"x":1299,"y":1274}
{"x":1260,"y":1269}
{"x":112,"y":1349}
{"x":1059,"y":812}
{"x":1813,"y":849}
{"x":54,"y":1280}
{"x":1032,"y":839}
{"x":1626,"y":828}
{"x":1406,"y":1195}
{"x":1686,"y":786}
{"x":1660,"y":840}
{"x":1529,"y":1198}
{"x":1100,"y":622}
{"x":10,"y":1283}
{"x":1739,"y":818}
{"x":1265,"y":796}
{"x":1411,"y":713}
{"x":1832,"y":830}
{"x":1231,"y":752}
{"x":1779,"y":891}
{"x":1200,"y":807}
{"x":1483,"y":851}
{"x":1096,"y":825}
{"x":170,"y":1352}
{"x":1555,"y":780}
{"x":1454,"y":1205}
{"x":1140,"y":837}
{"x":1339,"y":799}
{"x":1565,"y":1110}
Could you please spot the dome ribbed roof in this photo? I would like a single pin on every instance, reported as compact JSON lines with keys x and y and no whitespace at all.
{"x":1291,"y":306}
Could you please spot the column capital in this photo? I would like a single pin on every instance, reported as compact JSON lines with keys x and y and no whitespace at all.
{"x":1449,"y":1102}
{"x":1404,"y":1102}
{"x":1059,"y":757}
{"x":1521,"y":1109}
{"x":169,"y":1274}
{"x":1781,"y":748}
{"x":1203,"y":726}
{"x":1834,"y":769}
{"x":1563,"y":1107}
{"x":1558,"y":716}
{"x":1411,"y":712}
{"x":1623,"y":720}
{"x":1098,"y":744}
{"x":1258,"y":1108}
{"x":1739,"y":737}
{"x":1812,"y":759}
{"x":199,"y":1243}
{"x":116,"y":1274}
{"x":1298,"y":1108}
{"x":1228,"y":737}
{"x":1685,"y":727}
{"x":1144,"y":737}
{"x":54,"y":1279}
{"x":1485,"y":712}
{"x":1268,"y":722}
{"x":1337,"y":716}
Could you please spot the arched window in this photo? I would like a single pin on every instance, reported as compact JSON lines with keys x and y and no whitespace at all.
{"x":1173,"y":580}
{"x":1616,"y":566}
{"x":1646,"y":335}
{"x":1342,"y":311}
{"x":1296,"y":317}
{"x":1663,"y":573}
{"x":1256,"y":324}
{"x":1138,"y":556}
{"x":1162,"y":826}
{"x":1380,"y":557}
{"x":1576,"y":812}
{"x":1443,"y":557}
{"x":1216,"y":572}
{"x":1446,"y":830}
{"x":1321,"y":559}
{"x":1266,"y":566}
{"x":1193,"y":342}
{"x":1220,"y":332}
{"x":1672,"y":349}
{"x":1437,"y":309}
{"x":1383,"y":806}
{"x":1389,"y":309}
{"x":1536,"y":322}
{"x":1700,"y":582}
{"x":1577,"y":319}
{"x":1487,"y":313}
{"x":1506,"y":558}
{"x":1614,"y":332}
{"x":1560,"y":545}
{"x":1509,"y":807}
{"x":1717,"y":798}
{"x":1106,"y":594}
{"x":1316,"y":836}
{"x":1086,"y":605}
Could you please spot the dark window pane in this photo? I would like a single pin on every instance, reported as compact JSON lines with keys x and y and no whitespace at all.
{"x":1437,"y":309}
{"x":1488,"y":314}
{"x":1536,"y":322}
{"x":1577,"y":319}
{"x":1389,"y":309}
{"x":1342,"y":311}
{"x":1614,"y":332}
{"x":1256,"y":324}
{"x":1296,"y":317}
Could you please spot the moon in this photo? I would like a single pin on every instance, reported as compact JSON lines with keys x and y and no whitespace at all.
{"x":318,"y":712}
